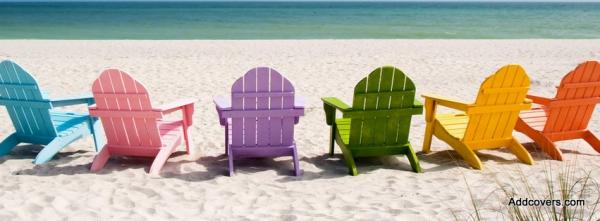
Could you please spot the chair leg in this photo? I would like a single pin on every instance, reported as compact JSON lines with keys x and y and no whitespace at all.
{"x":100,"y":159}
{"x":56,"y":145}
{"x":428,"y":137}
{"x":332,"y":140}
{"x":520,"y":151}
{"x":591,"y":139}
{"x":430,"y":107}
{"x":296,"y":162}
{"x":160,"y":160}
{"x":226,"y":139}
{"x":230,"y":159}
{"x":413,"y":159}
{"x":466,"y":153}
{"x":8,"y":144}
{"x":540,"y":140}
{"x":546,"y":145}
{"x":349,"y":159}
{"x":186,"y":138}
{"x":98,"y":135}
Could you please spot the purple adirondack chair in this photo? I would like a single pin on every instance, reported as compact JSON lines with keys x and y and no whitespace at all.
{"x":260,"y":117}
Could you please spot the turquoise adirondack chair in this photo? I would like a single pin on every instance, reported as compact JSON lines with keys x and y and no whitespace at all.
{"x":378,"y":121}
{"x":34,"y":118}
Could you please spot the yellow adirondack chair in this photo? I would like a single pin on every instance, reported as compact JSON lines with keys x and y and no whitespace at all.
{"x":486,"y":124}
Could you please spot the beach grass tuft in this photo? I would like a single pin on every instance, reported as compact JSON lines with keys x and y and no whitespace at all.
{"x":570,"y":193}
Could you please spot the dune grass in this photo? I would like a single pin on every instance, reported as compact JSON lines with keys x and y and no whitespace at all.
{"x":570,"y":184}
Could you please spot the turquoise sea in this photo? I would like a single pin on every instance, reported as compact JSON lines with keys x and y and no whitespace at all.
{"x":297,"y":20}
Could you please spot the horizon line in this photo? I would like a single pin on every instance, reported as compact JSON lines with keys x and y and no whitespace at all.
{"x":362,"y":1}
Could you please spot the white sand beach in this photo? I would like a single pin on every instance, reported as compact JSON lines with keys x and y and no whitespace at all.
{"x":197,"y":187}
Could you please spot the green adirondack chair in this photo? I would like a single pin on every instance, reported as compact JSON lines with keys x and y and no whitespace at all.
{"x":378,"y":122}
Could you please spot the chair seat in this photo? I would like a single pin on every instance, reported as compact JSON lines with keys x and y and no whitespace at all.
{"x":536,"y":118}
{"x":454,"y":123}
{"x":343,"y":128}
{"x":68,"y":122}
{"x":229,"y":132}
{"x":170,"y":131}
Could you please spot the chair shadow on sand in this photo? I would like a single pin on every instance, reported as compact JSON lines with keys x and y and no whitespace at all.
{"x":449,"y":159}
{"x":328,"y":167}
{"x":216,"y":166}
{"x":58,"y":166}
{"x":30,"y":151}
{"x":331,"y":167}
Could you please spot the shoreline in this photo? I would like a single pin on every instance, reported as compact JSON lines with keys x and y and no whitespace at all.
{"x":323,"y":39}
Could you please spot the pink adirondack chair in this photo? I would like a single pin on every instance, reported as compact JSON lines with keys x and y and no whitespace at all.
{"x":260,"y":118}
{"x":132,"y":126}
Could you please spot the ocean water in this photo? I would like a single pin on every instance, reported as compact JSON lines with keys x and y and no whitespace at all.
{"x":298,"y":20}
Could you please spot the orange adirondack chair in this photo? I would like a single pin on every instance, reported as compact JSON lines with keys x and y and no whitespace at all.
{"x":566,"y":116}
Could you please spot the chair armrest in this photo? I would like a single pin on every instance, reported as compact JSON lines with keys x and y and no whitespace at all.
{"x":336,"y":103}
{"x":447,"y":102}
{"x":299,"y":102}
{"x":331,"y":104}
{"x":222,"y":103}
{"x":185,"y":105}
{"x":539,"y":100}
{"x":68,"y":101}
{"x":417,"y":104}
{"x":174,"y":106}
